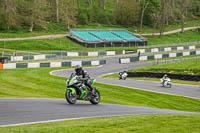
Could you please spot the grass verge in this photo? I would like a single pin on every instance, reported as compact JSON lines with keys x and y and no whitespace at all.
{"x":187,"y":36}
{"x":52,"y":44}
{"x":191,"y":66}
{"x":43,"y":44}
{"x":125,"y":124}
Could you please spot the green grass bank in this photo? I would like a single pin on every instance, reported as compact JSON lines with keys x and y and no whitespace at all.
{"x":191,"y":66}
{"x":125,"y":124}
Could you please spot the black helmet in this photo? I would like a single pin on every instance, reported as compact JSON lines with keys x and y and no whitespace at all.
{"x":78,"y":69}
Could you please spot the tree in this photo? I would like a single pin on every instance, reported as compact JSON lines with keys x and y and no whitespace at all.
{"x":162,"y":18}
{"x":184,"y":4}
{"x":151,"y":14}
{"x":32,"y":14}
{"x":57,"y":11}
{"x":37,"y":12}
{"x":117,"y":2}
{"x":194,"y":7}
{"x":68,"y":11}
{"x":90,"y":3}
{"x":144,"y":3}
{"x":9,"y":14}
{"x":126,"y":12}
{"x":155,"y":20}
{"x":102,"y":4}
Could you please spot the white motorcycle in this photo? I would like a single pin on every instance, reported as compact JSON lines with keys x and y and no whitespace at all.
{"x":166,"y":83}
{"x":122,"y":75}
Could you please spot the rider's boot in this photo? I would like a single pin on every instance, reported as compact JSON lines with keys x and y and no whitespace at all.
{"x":92,"y":91}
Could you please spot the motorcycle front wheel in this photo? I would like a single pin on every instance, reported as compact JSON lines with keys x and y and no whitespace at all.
{"x":71,"y":98}
{"x":96,"y":99}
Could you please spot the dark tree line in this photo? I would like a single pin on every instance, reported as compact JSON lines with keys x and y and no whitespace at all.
{"x":32,"y":14}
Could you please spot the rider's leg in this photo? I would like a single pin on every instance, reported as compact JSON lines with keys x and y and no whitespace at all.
{"x":163,"y":83}
{"x":91,"y":88}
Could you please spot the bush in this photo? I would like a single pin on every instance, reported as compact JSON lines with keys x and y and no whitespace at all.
{"x":83,"y":19}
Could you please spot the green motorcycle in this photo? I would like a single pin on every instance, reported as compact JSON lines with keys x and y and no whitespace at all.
{"x":76,"y":90}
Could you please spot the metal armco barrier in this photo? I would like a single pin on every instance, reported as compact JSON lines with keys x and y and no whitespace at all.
{"x":160,"y":75}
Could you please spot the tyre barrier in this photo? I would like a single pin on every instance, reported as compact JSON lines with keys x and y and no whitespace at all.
{"x":160,"y":75}
{"x":53,"y":64}
{"x":158,"y":56}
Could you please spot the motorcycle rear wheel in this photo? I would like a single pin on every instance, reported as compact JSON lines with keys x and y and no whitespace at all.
{"x":71,"y":98}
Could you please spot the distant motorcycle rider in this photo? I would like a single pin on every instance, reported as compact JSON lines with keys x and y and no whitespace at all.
{"x":164,"y":78}
{"x":83,"y":76}
{"x":123,"y":75}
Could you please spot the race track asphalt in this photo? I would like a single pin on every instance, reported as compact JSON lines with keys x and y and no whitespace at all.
{"x":27,"y":111}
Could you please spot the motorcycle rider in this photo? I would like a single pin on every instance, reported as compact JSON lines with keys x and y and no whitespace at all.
{"x":123,"y":75}
{"x":83,"y":76}
{"x":164,"y":78}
